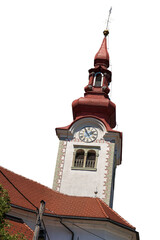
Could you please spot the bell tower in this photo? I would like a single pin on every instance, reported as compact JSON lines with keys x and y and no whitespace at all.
{"x":89,"y":148}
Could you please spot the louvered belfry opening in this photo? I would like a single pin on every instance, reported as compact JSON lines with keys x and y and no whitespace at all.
{"x":79,"y":159}
{"x":91,"y":158}
{"x":98,"y":80}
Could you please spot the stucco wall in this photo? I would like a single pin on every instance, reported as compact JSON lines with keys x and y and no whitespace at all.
{"x":84,"y":182}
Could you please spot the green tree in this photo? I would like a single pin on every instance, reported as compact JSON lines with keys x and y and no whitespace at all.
{"x":4,"y":224}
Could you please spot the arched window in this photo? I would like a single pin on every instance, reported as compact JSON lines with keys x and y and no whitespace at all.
{"x":79,"y":158}
{"x":91,"y":158}
{"x":98,"y":80}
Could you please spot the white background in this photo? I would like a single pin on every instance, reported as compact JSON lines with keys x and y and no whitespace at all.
{"x":46,"y":49}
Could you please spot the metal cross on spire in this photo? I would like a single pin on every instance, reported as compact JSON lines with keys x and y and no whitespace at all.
{"x":106,"y":32}
{"x":110,"y":10}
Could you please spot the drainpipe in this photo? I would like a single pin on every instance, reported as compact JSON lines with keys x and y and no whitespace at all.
{"x":68,"y":229}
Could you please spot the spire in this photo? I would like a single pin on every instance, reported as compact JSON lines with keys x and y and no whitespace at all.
{"x":96,"y":101}
{"x":102,"y":56}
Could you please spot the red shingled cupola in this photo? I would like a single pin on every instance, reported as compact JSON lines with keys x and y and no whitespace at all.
{"x":96,"y":102}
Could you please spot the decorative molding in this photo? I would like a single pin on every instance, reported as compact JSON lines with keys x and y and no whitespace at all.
{"x":108,"y":173}
{"x":89,"y":144}
{"x":87,"y":121}
{"x":114,"y":137}
{"x":59,"y":165}
{"x":84,"y":169}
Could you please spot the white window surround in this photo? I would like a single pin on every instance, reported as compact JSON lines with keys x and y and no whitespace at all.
{"x":94,"y":80}
{"x":86,"y":150}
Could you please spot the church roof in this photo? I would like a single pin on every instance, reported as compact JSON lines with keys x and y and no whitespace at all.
{"x":18,"y":226}
{"x":57,"y":204}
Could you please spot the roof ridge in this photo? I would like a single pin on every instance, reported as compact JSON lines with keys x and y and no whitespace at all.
{"x":117,"y":214}
{"x":99,"y":203}
{"x":28,"y":227}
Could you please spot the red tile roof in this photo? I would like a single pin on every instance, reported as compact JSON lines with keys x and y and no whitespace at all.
{"x":56,"y":203}
{"x":20,"y":227}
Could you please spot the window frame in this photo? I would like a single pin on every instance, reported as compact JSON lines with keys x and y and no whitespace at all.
{"x":94,"y":81}
{"x":76,"y":159}
{"x":86,"y":150}
{"x":87,"y":158}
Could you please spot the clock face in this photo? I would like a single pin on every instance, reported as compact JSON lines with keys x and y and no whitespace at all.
{"x":88,"y":134}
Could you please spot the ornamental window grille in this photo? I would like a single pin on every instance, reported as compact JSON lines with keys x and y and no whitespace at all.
{"x":91,"y":158}
{"x":79,"y":159}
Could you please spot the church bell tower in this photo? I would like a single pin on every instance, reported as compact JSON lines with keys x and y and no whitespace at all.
{"x":89,"y":148}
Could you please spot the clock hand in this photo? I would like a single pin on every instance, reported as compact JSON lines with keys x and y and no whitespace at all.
{"x":86,"y":132}
{"x":91,"y":132}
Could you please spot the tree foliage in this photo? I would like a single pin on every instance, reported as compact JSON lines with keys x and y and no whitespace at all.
{"x":4,"y":224}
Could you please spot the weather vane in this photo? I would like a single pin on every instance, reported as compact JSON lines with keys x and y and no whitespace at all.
{"x":106,"y":32}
